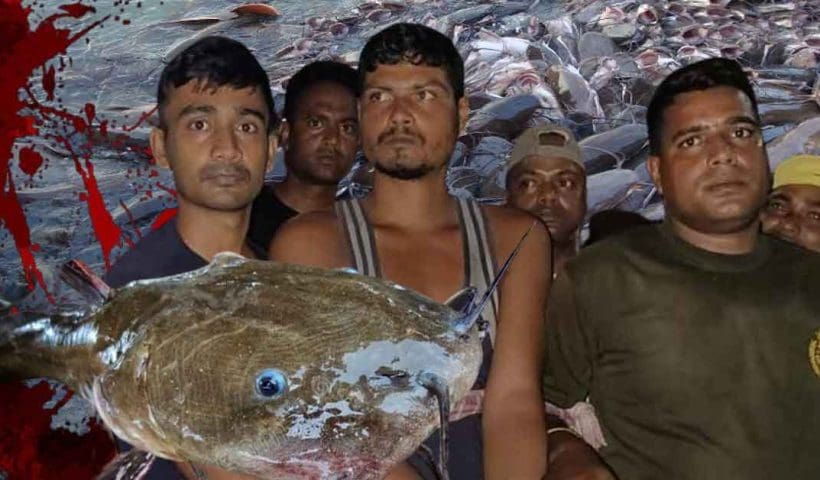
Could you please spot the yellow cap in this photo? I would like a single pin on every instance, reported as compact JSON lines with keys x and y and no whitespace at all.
{"x":798,"y":170}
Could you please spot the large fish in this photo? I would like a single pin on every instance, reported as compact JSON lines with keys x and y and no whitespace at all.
{"x":273,"y":370}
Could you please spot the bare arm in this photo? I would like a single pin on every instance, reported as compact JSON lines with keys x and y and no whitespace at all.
{"x":514,"y":430}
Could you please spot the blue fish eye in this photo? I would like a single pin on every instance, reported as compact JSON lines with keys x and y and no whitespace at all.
{"x":271,"y":383}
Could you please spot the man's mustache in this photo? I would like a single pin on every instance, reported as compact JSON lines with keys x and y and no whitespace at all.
{"x":403,"y":133}
{"x":214,"y":170}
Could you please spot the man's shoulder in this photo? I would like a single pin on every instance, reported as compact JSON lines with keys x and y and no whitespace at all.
{"x":153,"y":256}
{"x":804,"y":261}
{"x":310,"y":223}
{"x":617,"y":249}
{"x":504,"y":219}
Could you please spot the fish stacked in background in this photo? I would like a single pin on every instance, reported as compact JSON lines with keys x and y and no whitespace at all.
{"x":589,"y":65}
{"x":279,"y":371}
{"x":594,"y":69}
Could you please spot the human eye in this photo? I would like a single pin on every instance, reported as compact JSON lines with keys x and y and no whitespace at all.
{"x":426,"y":94}
{"x":743,"y":132}
{"x":376,"y":96}
{"x":689,"y":142}
{"x":313,"y":122}
{"x":776,"y":206}
{"x":525,"y":184}
{"x":248,"y":127}
{"x":814,"y":215}
{"x":350,"y":128}
{"x":198,"y":125}
{"x":567,"y":183}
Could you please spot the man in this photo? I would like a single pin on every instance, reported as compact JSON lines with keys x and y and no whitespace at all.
{"x":217,"y":134}
{"x":793,"y":212}
{"x":690,"y":337}
{"x":546,"y":177}
{"x":319,"y":137}
{"x":410,"y":231}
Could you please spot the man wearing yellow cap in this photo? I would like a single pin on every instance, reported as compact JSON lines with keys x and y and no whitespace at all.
{"x":793,"y":211}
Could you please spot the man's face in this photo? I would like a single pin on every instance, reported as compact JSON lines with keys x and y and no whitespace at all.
{"x":321,"y":140}
{"x":409,"y":119}
{"x":793,"y":214}
{"x":216,"y":143}
{"x":712,"y":169}
{"x":553,"y":189}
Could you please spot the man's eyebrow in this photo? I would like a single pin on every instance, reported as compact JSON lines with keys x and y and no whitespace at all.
{"x":190,"y":109}
{"x":743,"y":119}
{"x":253,"y":112}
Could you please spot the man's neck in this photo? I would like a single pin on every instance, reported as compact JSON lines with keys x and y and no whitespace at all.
{"x":421,"y":204}
{"x":305,"y":197}
{"x":208,"y":232}
{"x":562,"y":253}
{"x":739,"y":242}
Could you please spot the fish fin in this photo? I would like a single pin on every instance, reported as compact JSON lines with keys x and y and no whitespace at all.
{"x":228,"y":259}
{"x":470,"y":317}
{"x":80,"y":277}
{"x":131,"y":465}
{"x":463,"y":300}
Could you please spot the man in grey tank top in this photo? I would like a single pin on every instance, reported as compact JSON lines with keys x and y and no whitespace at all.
{"x":411,"y":231}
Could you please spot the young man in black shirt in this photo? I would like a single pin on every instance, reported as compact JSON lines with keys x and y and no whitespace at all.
{"x":217,"y":134}
{"x":319,"y":139}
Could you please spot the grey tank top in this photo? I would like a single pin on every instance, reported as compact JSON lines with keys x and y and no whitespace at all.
{"x":479,"y":262}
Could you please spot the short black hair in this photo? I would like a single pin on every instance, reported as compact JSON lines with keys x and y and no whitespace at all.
{"x":415,"y":44}
{"x":216,"y":61}
{"x":324,"y":71}
{"x":710,"y":73}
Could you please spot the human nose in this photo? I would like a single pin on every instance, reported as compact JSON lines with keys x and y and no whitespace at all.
{"x":547,"y":194}
{"x":721,"y":150}
{"x":400,"y":112}
{"x":225,"y":145}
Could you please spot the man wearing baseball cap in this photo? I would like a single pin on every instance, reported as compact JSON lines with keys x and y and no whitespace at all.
{"x":793,"y":211}
{"x":546,"y":177}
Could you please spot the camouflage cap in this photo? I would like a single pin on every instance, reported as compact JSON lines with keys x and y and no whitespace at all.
{"x":546,"y":140}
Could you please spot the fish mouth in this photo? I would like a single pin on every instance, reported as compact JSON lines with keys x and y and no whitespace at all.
{"x":438,"y":387}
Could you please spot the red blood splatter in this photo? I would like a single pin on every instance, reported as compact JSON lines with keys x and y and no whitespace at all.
{"x":90,"y":112}
{"x":30,"y":161}
{"x":145,"y":116}
{"x":48,"y":83}
{"x":107,"y":231}
{"x":77,"y":10}
{"x":27,"y":439}
{"x":24,"y":51}
{"x":163,"y":218}
{"x":130,"y":218}
{"x":167,"y":189}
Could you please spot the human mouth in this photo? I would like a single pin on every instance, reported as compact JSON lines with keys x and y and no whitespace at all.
{"x":725,"y":186}
{"x":225,"y":176}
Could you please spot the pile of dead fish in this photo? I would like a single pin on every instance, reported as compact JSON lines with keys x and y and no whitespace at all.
{"x":594,"y":69}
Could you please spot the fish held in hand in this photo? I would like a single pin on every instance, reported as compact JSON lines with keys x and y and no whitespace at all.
{"x":273,"y":370}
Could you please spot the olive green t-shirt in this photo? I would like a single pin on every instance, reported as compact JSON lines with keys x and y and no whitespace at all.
{"x":700,"y":365}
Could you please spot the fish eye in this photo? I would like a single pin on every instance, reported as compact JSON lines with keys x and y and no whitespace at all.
{"x":271,"y":384}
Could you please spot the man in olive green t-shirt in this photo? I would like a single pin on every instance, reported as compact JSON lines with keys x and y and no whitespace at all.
{"x":698,"y":340}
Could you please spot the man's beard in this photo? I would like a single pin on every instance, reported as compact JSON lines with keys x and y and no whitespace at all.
{"x":405,"y":173}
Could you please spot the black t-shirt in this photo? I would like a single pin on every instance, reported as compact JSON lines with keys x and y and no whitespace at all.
{"x":160,"y":254}
{"x":268,"y":213}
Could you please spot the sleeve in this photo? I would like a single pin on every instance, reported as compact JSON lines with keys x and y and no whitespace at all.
{"x":569,"y":349}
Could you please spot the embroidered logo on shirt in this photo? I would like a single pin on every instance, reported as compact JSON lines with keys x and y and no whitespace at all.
{"x":814,"y":353}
